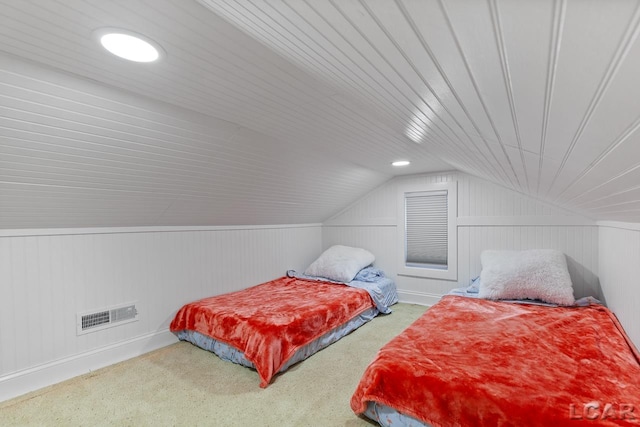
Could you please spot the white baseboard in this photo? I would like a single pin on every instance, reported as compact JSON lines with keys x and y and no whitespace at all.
{"x":25,"y":381}
{"x":422,"y":298}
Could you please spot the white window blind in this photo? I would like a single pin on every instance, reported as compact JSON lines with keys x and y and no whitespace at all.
{"x":426,"y":216}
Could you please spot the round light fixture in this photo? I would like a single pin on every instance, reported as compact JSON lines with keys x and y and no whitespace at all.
{"x":129,"y":45}
{"x":401,"y":163}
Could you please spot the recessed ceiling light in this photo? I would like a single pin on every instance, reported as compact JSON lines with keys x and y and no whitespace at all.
{"x":401,"y":163}
{"x":129,"y":45}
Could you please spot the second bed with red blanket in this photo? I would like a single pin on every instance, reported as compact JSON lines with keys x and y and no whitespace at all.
{"x":469,"y":361}
{"x":270,"y":322}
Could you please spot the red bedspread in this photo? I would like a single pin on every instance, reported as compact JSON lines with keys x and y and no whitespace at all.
{"x":471,"y":362}
{"x":271,"y":321}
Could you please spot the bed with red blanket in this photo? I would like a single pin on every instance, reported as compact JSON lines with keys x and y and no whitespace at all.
{"x":272,"y":325}
{"x":472,"y":361}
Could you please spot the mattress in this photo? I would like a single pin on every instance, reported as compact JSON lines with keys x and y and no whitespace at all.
{"x":271,"y":324}
{"x":231,"y":354}
{"x":471,"y":361}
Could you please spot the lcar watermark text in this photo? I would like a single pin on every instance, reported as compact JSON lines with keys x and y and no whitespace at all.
{"x":603,"y":411}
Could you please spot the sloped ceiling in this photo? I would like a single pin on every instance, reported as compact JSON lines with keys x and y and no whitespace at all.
{"x":268,"y":112}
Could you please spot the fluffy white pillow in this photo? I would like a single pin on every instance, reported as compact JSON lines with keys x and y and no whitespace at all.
{"x":340,"y":263}
{"x":534,"y":274}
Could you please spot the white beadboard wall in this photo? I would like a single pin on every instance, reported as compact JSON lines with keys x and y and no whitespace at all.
{"x":47,"y":276}
{"x":619,"y":268}
{"x":489,"y":217}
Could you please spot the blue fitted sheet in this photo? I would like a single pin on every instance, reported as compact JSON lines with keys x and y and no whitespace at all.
{"x":389,"y":417}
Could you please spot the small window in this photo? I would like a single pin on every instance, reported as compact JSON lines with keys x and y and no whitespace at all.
{"x":427,"y":231}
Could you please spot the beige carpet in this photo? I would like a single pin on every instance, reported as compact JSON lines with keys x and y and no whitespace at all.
{"x":182,"y":385}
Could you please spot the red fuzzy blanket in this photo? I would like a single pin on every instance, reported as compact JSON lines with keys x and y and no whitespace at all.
{"x":271,"y":321}
{"x":469,"y":362}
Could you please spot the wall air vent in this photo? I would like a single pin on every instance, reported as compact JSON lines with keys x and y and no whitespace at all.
{"x":97,"y":320}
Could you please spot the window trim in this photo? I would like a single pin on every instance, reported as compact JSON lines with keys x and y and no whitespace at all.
{"x":451,"y":272}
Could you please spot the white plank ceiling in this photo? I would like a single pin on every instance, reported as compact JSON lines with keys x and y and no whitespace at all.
{"x":284,"y":111}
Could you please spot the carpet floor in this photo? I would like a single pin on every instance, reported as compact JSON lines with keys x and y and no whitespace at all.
{"x":182,"y":385}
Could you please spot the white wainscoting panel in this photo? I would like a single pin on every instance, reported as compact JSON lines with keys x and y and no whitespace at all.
{"x":619,"y":269}
{"x":46,"y":279}
{"x":493,"y":218}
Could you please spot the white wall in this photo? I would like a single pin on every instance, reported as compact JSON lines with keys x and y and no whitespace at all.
{"x":47,"y":277}
{"x":619,"y":269}
{"x":489,"y":217}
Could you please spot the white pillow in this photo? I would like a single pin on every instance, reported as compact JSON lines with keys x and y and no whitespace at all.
{"x":534,"y":274}
{"x":340,"y":263}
